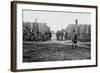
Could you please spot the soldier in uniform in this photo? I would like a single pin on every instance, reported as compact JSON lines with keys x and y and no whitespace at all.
{"x":66,"y":35}
{"x":58,"y":35}
{"x":62,"y":35}
{"x":74,"y":39}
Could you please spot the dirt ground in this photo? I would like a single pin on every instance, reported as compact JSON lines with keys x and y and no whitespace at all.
{"x":55,"y":51}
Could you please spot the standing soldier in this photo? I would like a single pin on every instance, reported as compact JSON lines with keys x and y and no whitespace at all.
{"x":66,"y":35}
{"x":74,"y":39}
{"x":57,"y":35}
{"x":62,"y":35}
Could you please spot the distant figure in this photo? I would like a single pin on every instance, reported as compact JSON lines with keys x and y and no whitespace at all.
{"x":62,"y":35}
{"x":66,"y":35}
{"x":50,"y":35}
{"x":58,"y":35}
{"x":74,"y":39}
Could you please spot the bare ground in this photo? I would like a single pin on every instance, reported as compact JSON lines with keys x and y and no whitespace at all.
{"x":39,"y":52}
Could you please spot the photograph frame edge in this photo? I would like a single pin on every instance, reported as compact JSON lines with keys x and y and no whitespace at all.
{"x":13,"y":36}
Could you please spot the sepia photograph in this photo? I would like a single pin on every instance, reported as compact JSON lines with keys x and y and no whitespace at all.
{"x":56,"y":35}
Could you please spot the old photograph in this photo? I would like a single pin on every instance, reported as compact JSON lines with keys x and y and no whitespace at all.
{"x":46,"y":36}
{"x":56,"y":35}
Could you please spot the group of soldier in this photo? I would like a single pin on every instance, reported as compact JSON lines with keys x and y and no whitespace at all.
{"x":61,"y":35}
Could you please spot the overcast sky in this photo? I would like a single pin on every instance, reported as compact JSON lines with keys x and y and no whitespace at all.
{"x":56,"y":20}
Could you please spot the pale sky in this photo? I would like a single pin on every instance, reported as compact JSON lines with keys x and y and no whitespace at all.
{"x":56,"y":20}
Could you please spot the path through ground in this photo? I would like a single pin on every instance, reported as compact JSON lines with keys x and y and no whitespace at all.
{"x":65,"y":42}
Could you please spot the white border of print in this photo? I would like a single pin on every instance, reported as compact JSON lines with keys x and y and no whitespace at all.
{"x":35,"y":65}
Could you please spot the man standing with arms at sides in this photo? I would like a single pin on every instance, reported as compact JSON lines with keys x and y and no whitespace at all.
{"x":74,"y":39}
